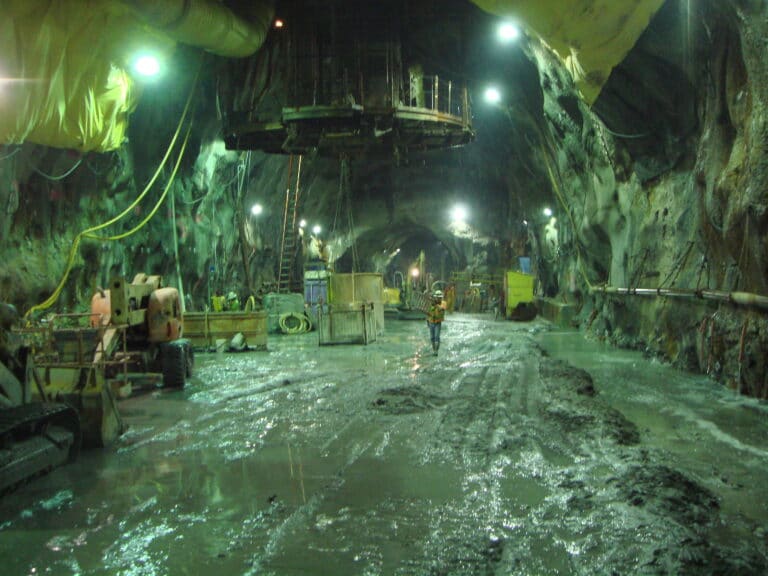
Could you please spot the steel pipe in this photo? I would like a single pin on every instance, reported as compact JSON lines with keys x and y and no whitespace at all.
{"x":747,"y":299}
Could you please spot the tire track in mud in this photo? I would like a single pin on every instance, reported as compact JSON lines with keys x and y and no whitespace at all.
{"x":493,"y":398}
{"x":549,"y":477}
{"x":522,"y":424}
{"x":303,"y":514}
{"x":301,"y":520}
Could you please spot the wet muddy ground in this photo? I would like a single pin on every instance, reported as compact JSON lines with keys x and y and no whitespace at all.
{"x":498,"y":457}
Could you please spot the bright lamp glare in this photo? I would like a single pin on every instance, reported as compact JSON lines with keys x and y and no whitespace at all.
{"x":459,"y":213}
{"x":508,"y":32}
{"x":415,"y":272}
{"x":492,"y":95}
{"x":256,"y":209}
{"x":302,"y":223}
{"x":547,"y":212}
{"x":316,"y":229}
{"x":147,"y":66}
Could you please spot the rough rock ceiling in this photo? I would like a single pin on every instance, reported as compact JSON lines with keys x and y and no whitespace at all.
{"x":590,"y":36}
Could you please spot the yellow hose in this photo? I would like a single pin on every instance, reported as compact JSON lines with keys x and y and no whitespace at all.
{"x":303,"y":326}
{"x":88,"y":233}
{"x":160,"y":167}
{"x":157,"y":205}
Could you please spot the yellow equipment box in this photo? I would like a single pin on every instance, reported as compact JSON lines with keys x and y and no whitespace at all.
{"x":391,"y":296}
{"x":518,"y":288}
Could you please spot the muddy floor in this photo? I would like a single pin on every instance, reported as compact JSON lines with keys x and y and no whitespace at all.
{"x":498,"y":457}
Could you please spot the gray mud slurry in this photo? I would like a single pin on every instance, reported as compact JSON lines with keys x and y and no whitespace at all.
{"x":493,"y":458}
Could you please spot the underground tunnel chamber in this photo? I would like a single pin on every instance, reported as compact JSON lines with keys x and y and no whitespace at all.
{"x":638,"y":180}
{"x":491,"y":458}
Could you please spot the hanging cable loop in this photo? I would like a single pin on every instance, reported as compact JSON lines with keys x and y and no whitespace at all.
{"x":58,"y":178}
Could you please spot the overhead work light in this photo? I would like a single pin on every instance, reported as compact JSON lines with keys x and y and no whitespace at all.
{"x":508,"y":32}
{"x":492,"y":95}
{"x":147,"y":66}
{"x":459,"y":214}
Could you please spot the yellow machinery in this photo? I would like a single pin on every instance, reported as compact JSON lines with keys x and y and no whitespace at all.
{"x":518,"y":289}
{"x":86,"y":360}
{"x":391,"y":296}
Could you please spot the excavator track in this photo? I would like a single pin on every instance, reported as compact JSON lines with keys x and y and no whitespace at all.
{"x":35,"y":438}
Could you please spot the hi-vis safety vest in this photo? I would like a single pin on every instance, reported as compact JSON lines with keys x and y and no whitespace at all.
{"x":436,"y":313}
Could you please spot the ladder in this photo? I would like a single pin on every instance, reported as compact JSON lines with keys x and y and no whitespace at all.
{"x":288,"y":240}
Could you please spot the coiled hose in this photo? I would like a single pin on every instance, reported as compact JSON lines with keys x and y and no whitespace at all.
{"x":295,"y":323}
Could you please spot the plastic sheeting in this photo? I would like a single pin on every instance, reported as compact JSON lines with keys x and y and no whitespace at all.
{"x":590,"y":36}
{"x":63,"y":78}
{"x":61,"y":81}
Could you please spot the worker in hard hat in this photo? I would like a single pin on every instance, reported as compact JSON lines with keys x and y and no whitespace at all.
{"x":233,"y":302}
{"x":435,"y":317}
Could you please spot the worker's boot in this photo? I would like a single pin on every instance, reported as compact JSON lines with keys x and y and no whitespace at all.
{"x":436,"y":347}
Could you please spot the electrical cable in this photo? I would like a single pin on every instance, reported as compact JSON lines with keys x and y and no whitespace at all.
{"x":556,"y":188}
{"x":89,"y":234}
{"x":11,"y":155}
{"x":627,"y":136}
{"x":618,"y":134}
{"x":168,"y":152}
{"x":57,"y":178}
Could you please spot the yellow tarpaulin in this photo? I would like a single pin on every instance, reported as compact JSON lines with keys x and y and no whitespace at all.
{"x":590,"y":36}
{"x":62,"y":81}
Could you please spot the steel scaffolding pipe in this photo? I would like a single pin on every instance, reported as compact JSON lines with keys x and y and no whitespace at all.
{"x":739,"y":298}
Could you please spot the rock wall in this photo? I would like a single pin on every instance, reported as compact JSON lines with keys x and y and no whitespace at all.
{"x":663,"y":185}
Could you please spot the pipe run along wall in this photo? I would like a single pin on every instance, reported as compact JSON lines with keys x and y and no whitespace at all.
{"x":738,"y":298}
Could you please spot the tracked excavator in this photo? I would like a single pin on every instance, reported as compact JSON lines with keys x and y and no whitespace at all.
{"x":34,"y":436}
